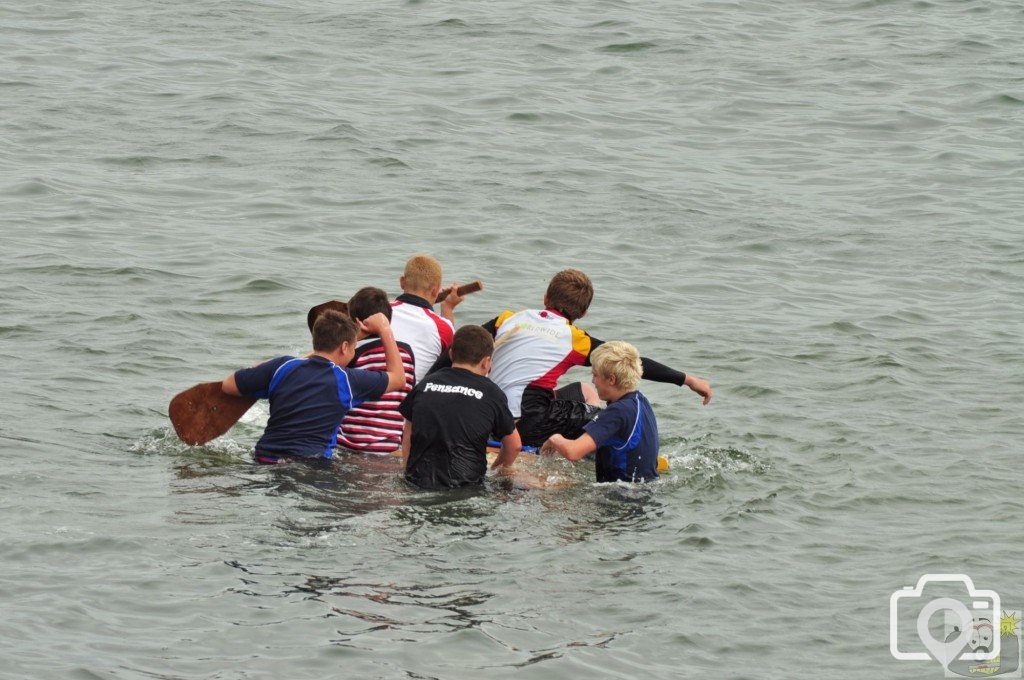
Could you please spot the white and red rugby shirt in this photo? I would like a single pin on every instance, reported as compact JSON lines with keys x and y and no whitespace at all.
{"x":535,"y":348}
{"x":414,"y":322}
{"x":376,"y":426}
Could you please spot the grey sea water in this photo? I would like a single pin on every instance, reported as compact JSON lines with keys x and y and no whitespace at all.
{"x":815,"y":205}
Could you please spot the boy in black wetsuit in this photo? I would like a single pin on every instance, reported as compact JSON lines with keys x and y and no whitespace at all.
{"x":451,"y":414}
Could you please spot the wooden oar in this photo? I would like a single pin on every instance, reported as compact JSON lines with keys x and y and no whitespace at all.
{"x":461,"y":290}
{"x":203,"y":412}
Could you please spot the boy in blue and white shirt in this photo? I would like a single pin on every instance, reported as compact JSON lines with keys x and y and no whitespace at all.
{"x":625,"y":433}
{"x":310,"y":395}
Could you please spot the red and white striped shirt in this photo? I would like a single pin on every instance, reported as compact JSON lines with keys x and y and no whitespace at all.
{"x":376,"y":426}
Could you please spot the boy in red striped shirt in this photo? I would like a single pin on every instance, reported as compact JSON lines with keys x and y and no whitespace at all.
{"x":375,"y":427}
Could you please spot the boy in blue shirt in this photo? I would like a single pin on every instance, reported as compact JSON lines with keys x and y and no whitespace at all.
{"x":310,"y":395}
{"x":625,"y":433}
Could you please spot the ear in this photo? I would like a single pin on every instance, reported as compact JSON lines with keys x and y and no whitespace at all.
{"x":485,"y":364}
{"x":434,"y":292}
{"x":613,"y":380}
{"x":401,"y":281}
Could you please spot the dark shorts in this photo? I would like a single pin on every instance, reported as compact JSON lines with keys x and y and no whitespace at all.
{"x":563,"y":412}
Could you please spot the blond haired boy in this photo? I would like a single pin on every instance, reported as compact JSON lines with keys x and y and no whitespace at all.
{"x":412,"y":313}
{"x":625,"y":433}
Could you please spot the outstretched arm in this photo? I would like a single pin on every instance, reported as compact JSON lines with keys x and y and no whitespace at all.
{"x":570,"y":449}
{"x":658,"y":372}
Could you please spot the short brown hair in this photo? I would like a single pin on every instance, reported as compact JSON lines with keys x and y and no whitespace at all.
{"x":315,"y":312}
{"x":367,"y":302}
{"x":619,"y":359}
{"x":471,"y":345}
{"x":422,"y":272}
{"x":570,"y":293}
{"x":331,"y":330}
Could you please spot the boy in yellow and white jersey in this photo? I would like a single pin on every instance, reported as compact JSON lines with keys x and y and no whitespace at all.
{"x":535,"y":347}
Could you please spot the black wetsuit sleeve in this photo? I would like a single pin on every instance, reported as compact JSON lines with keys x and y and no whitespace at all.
{"x":653,"y":370}
{"x":491,"y":327}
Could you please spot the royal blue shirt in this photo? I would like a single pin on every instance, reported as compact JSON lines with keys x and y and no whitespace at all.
{"x":308,"y":398}
{"x":626,"y":434}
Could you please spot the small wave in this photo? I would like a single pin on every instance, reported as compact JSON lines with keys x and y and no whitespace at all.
{"x":261,"y":286}
{"x":388,"y":162}
{"x":1005,"y":100}
{"x":453,"y":22}
{"x":618,"y":48}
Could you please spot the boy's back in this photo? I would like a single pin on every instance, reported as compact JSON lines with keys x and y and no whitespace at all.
{"x":534,"y":348}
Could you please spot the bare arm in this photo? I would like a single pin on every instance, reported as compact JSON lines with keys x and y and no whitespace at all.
{"x":229,"y":386}
{"x":451,"y":300}
{"x":378,"y":325}
{"x":570,"y":449}
{"x":406,"y":442}
{"x":511,"y":444}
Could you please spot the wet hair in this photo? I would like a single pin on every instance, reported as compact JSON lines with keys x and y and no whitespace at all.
{"x":422,"y":272}
{"x":471,"y":345}
{"x":315,"y":312}
{"x":570,"y":293}
{"x":367,"y":302}
{"x":331,"y":330}
{"x":618,"y":359}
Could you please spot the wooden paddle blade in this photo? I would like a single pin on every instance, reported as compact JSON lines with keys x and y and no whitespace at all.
{"x":203,"y":412}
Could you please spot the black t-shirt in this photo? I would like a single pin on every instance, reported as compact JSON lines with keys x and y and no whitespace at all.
{"x":453,"y":412}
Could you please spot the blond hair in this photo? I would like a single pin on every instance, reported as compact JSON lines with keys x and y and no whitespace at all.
{"x":570,"y":293}
{"x":422,"y":272}
{"x":618,"y":359}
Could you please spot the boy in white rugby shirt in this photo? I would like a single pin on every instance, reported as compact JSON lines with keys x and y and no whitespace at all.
{"x":413,"y":319}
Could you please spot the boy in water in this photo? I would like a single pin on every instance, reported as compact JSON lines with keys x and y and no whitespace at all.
{"x":451,"y":414}
{"x":413,"y":318}
{"x":309,"y":396}
{"x":375,"y":426}
{"x":534,"y":348}
{"x":625,"y":433}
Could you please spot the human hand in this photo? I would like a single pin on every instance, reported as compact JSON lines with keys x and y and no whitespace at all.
{"x":452,"y":297}
{"x":548,"y":447}
{"x":700,"y":386}
{"x":375,"y":325}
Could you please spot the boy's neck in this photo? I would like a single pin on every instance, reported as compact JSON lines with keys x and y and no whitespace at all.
{"x":472,"y":368}
{"x":422,"y":294}
{"x":618,"y":394}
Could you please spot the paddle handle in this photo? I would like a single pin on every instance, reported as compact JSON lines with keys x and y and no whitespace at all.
{"x":462,"y":290}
